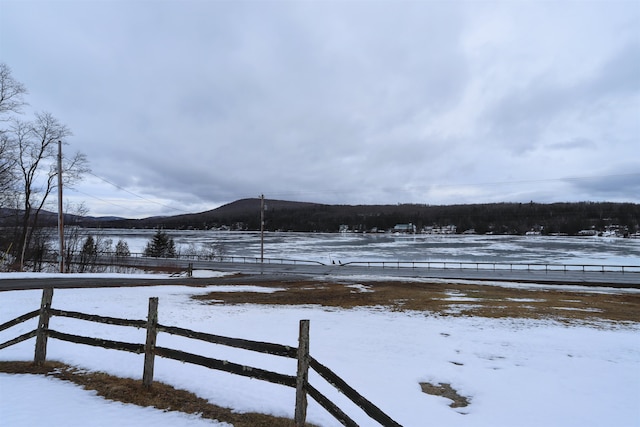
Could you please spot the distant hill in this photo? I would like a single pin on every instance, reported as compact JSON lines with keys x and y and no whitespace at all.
{"x":499,"y":218}
{"x":251,"y":207}
{"x":246,"y":211}
{"x":47,"y":218}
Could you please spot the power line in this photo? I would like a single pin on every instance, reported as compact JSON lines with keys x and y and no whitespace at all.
{"x":134,"y":194}
{"x":75,"y":190}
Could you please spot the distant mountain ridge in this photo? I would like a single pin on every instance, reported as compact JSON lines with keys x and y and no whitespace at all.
{"x":499,"y":218}
{"x":237,"y":211}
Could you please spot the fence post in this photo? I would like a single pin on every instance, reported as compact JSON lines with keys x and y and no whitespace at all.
{"x":150,"y":344}
{"x":43,"y":324}
{"x":302,"y":378}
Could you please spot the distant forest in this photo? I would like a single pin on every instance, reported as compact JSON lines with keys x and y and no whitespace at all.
{"x":497,"y":218}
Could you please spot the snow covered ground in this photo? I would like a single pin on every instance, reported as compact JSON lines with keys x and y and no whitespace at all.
{"x":515,"y":372}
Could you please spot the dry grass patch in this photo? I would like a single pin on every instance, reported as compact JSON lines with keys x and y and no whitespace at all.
{"x":161,"y":396}
{"x":445,"y":390}
{"x":444,"y":299}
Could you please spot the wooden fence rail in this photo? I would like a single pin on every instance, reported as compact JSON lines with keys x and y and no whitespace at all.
{"x":258,"y":346}
{"x":97,"y":342}
{"x":19,"y":320}
{"x":99,"y":319}
{"x":300,"y":381}
{"x":19,"y":339}
{"x":226,"y":366}
{"x":373,"y":411}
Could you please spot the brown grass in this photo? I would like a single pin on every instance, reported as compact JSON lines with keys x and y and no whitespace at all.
{"x":445,"y":299}
{"x":161,"y":396}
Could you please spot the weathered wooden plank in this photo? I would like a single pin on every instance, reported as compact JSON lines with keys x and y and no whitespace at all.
{"x":99,"y":319}
{"x":19,"y":339}
{"x":258,"y":346}
{"x":331,"y":407}
{"x":372,"y":410}
{"x":97,"y":342}
{"x":226,"y":366}
{"x":150,"y":344}
{"x":302,"y":377}
{"x":19,"y":320}
{"x":40,"y":354}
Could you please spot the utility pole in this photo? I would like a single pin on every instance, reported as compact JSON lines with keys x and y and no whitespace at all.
{"x":60,"y":216}
{"x":262,"y":228}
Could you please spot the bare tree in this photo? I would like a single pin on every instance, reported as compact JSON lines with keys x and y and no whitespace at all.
{"x":73,"y":234}
{"x":28,"y":172}
{"x":7,"y":164}
{"x":36,"y":145}
{"x":8,"y":199}
{"x":11,"y":92}
{"x":11,"y":101}
{"x":83,"y":250}
{"x":122,"y":249}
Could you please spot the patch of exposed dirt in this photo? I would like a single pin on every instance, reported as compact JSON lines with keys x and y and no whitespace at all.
{"x":444,"y":299}
{"x":161,"y":396}
{"x":445,"y":390}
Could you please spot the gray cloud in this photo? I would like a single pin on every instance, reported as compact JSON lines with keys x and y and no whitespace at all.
{"x":620,"y":184}
{"x":576,"y":143}
{"x":196,"y":104}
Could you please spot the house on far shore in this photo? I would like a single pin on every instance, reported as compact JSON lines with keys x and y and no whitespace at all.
{"x":404,"y":228}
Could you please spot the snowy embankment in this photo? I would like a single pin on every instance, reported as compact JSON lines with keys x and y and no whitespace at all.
{"x":515,"y":372}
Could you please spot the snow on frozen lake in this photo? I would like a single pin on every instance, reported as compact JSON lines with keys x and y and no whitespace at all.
{"x":515,"y":372}
{"x":346,"y":247}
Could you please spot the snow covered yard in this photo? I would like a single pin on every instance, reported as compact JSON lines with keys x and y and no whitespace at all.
{"x":514,"y":372}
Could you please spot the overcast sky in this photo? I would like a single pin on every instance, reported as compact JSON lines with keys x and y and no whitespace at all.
{"x":182,"y":106}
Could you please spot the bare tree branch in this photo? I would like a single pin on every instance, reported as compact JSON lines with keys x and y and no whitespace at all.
{"x":11,"y":92}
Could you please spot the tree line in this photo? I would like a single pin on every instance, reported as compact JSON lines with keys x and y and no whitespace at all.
{"x":87,"y":251}
{"x":496,"y":218}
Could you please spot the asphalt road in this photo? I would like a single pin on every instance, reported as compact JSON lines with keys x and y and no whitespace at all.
{"x":256,"y":272}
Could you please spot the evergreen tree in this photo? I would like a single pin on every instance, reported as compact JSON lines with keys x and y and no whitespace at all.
{"x":88,"y":254}
{"x":160,"y":246}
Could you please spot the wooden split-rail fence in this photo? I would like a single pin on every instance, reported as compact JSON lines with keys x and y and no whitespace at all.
{"x":300,"y":381}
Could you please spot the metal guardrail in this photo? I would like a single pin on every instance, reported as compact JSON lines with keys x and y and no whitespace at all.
{"x":495,"y":266}
{"x":137,"y":259}
{"x":222,"y":258}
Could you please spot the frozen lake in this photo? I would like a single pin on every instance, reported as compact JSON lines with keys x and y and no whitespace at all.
{"x":347,"y":247}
